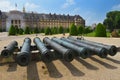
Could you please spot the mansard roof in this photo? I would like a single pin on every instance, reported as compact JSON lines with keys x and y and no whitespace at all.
{"x":40,"y":16}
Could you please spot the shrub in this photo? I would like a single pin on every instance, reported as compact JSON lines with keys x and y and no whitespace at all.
{"x":48,"y":31}
{"x":36,"y":30}
{"x":114,"y":34}
{"x":100,"y":30}
{"x":27,"y":30}
{"x":60,"y":30}
{"x":0,"y":30}
{"x":80,"y":30}
{"x":66,"y":30}
{"x":21,"y":31}
{"x":119,"y":31}
{"x":87,"y":30}
{"x":42,"y":30}
{"x":73,"y":30}
{"x":54,"y":30}
{"x":12,"y":30}
{"x":17,"y":29}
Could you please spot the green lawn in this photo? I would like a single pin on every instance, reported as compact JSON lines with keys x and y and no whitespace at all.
{"x":92,"y":34}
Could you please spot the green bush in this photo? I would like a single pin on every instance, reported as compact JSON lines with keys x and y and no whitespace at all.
{"x":21,"y":31}
{"x":87,"y":30}
{"x":60,"y":30}
{"x":17,"y":29}
{"x":42,"y":30}
{"x":0,"y":30}
{"x":12,"y":30}
{"x":54,"y":30}
{"x":48,"y":31}
{"x":36,"y":30}
{"x":27,"y":30}
{"x":119,"y":31}
{"x":73,"y":30}
{"x":66,"y":30}
{"x":100,"y":30}
{"x":80,"y":30}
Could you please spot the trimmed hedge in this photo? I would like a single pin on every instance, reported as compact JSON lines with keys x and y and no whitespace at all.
{"x":73,"y":30}
{"x":60,"y":30}
{"x":12,"y":30}
{"x":21,"y":31}
{"x":100,"y":31}
{"x":80,"y":30}
{"x":27,"y":30}
{"x":48,"y":31}
{"x":36,"y":30}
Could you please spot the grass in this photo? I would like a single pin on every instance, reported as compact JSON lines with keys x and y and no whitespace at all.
{"x":92,"y":34}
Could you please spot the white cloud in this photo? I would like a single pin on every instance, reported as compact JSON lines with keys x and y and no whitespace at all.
{"x":116,"y":7}
{"x":31,"y":6}
{"x":68,"y":3}
{"x":6,"y":5}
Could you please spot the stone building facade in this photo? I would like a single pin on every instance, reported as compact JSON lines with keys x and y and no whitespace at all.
{"x":40,"y":20}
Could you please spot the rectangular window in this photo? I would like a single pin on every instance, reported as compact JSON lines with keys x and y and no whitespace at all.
{"x":12,"y":22}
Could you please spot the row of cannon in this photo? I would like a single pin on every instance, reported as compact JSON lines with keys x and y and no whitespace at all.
{"x":59,"y":48}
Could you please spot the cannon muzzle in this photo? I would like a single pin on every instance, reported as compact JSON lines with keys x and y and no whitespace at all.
{"x":24,"y":57}
{"x":9,"y":49}
{"x":46,"y":54}
{"x":65,"y":53}
{"x":112,"y":50}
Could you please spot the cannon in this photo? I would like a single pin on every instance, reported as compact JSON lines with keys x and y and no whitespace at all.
{"x":24,"y":57}
{"x":46,"y":54}
{"x":81,"y":51}
{"x":64,"y":53}
{"x":101,"y":52}
{"x":9,"y":49}
{"x":112,"y":50}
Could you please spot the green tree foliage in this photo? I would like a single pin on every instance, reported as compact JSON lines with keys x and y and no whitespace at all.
{"x":48,"y":31}
{"x":17,"y":29}
{"x":100,"y":30}
{"x":112,"y":20}
{"x":60,"y":30}
{"x":54,"y":30}
{"x":36,"y":30}
{"x":80,"y":30}
{"x":21,"y":31}
{"x":42,"y":30}
{"x":87,"y":30}
{"x":67,"y":29}
{"x":27,"y":30}
{"x":73,"y":30}
{"x":12,"y":30}
{"x":0,"y":30}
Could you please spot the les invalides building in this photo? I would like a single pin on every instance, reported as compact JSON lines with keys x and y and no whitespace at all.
{"x":21,"y":19}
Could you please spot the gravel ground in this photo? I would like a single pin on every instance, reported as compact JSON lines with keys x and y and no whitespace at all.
{"x":93,"y":68}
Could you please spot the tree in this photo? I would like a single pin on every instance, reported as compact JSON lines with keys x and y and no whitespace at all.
{"x":36,"y":30}
{"x":27,"y":30}
{"x":42,"y":30}
{"x":48,"y":31}
{"x":112,"y":20}
{"x":87,"y":30}
{"x":100,"y":30}
{"x":21,"y":31}
{"x":73,"y":30}
{"x":17,"y":29}
{"x":60,"y":30}
{"x":80,"y":30}
{"x":12,"y":30}
{"x":54,"y":30}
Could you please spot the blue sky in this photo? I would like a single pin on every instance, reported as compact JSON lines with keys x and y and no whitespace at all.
{"x":93,"y":11}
